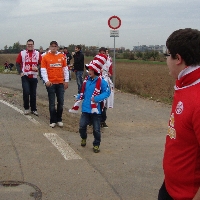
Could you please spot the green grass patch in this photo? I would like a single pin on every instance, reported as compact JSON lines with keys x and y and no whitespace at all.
{"x":2,"y":70}
{"x":141,"y":62}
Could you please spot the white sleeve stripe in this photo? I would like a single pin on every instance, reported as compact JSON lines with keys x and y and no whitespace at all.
{"x":44,"y":74}
{"x":66,"y":74}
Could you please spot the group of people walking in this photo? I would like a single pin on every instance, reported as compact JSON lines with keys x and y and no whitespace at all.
{"x":53,"y":66}
{"x":181,"y":162}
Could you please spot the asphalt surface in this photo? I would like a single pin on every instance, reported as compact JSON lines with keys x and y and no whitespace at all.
{"x":51,"y":163}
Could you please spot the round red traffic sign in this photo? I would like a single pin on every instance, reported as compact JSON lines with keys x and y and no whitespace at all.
{"x":114,"y":22}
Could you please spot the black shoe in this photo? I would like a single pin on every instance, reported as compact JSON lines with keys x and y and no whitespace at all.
{"x":104,"y":125}
{"x":34,"y":112}
{"x":96,"y":149}
{"x":83,"y":142}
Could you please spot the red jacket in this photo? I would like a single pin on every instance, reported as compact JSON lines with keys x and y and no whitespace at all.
{"x":181,"y":161}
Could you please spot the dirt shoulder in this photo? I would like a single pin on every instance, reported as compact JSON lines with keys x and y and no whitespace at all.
{"x":132,"y":147}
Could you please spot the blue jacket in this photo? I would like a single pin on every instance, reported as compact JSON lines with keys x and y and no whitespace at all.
{"x":89,"y":89}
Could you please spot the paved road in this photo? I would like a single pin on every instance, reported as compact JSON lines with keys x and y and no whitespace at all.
{"x":52,"y":163}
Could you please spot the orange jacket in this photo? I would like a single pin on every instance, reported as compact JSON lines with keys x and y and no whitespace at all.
{"x":54,"y":64}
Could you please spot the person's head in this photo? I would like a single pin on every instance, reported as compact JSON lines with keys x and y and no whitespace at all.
{"x":53,"y":46}
{"x":183,"y":49}
{"x":97,"y":64}
{"x":107,"y":51}
{"x":77,"y":48}
{"x":102,"y":50}
{"x":30,"y":45}
{"x":47,"y":49}
{"x":61,"y":49}
{"x":91,"y":73}
{"x":65,"y":49}
{"x":41,"y":50}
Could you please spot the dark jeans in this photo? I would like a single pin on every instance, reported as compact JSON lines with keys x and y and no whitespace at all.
{"x":79,"y":80}
{"x":103,"y":115}
{"x":163,"y":194}
{"x":39,"y":71}
{"x":84,"y":121}
{"x":29,"y":86}
{"x":56,"y":90}
{"x":70,"y":76}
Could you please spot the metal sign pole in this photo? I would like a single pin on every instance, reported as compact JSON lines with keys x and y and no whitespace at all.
{"x":114,"y":65}
{"x":114,"y":22}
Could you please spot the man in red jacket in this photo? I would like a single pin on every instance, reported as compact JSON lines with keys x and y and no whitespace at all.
{"x":27,"y":64}
{"x":181,"y":161}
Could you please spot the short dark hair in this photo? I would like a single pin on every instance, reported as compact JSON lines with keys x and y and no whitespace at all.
{"x":102,"y":49}
{"x":65,"y":47}
{"x":30,"y":40}
{"x":78,"y":47}
{"x":53,"y":42}
{"x":60,"y":48}
{"x":186,"y":43}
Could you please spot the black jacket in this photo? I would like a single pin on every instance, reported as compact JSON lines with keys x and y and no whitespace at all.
{"x":68,"y":57}
{"x":78,"y":61}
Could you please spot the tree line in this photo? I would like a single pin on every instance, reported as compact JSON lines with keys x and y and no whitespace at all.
{"x":93,"y":50}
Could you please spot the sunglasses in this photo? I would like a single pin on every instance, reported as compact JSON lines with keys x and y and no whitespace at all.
{"x":167,"y":54}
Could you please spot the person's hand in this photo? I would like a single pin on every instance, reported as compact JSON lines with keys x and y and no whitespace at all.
{"x":92,"y":99}
{"x":65,"y":85}
{"x":34,"y":68}
{"x":48,"y":84}
{"x":21,"y":74}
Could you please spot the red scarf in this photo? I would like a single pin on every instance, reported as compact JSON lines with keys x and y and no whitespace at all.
{"x":188,"y":79}
{"x":97,"y":89}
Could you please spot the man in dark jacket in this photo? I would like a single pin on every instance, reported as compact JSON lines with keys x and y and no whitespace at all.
{"x":78,"y":66}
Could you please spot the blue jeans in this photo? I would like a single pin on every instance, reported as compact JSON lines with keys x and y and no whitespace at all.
{"x":70,"y":76}
{"x":79,"y":80}
{"x":58,"y":91}
{"x":84,"y":121}
{"x":103,"y":115}
{"x":29,"y":86}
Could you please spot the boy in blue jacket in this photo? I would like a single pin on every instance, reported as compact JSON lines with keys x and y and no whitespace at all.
{"x":94,"y":91}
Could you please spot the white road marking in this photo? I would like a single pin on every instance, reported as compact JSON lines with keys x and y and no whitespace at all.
{"x":66,"y":151}
{"x":20,"y":111}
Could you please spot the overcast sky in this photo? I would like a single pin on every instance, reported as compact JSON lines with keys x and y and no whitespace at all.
{"x":144,"y":22}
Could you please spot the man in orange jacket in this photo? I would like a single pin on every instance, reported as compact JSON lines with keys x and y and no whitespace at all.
{"x":55,"y":74}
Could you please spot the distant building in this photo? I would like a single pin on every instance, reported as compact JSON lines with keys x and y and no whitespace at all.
{"x":143,"y":48}
{"x":120,"y":50}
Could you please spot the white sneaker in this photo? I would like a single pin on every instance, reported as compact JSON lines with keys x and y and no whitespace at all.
{"x":26,"y":112}
{"x":52,"y":125}
{"x":60,"y":124}
{"x":35,"y":113}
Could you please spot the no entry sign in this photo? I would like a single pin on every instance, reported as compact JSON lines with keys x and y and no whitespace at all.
{"x":114,"y":22}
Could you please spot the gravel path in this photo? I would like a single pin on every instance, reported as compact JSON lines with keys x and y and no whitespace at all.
{"x":132,"y":145}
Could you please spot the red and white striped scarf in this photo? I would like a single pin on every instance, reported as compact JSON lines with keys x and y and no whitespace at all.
{"x":30,"y":59}
{"x":94,"y":108}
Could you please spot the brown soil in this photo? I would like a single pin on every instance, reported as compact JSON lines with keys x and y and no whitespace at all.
{"x":15,"y":98}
